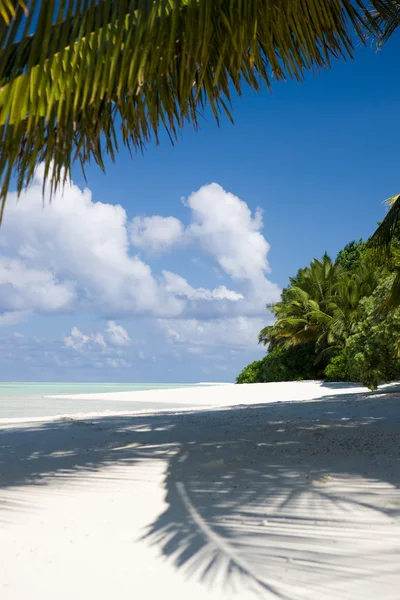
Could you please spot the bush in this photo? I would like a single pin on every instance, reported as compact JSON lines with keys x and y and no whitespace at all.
{"x":294,"y":364}
{"x":351,"y":256}
{"x":251,"y":373}
{"x":338,"y":368}
{"x":374,"y":350}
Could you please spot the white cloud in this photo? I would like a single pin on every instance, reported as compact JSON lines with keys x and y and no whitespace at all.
{"x":23,"y":288}
{"x":221,"y":224}
{"x":75,"y":251}
{"x":224,"y":227}
{"x":226,"y":332}
{"x":9,"y":319}
{"x":195,"y":350}
{"x":156,"y":234}
{"x":117,"y":335}
{"x":178,"y":286}
{"x":94,"y":348}
{"x":77,"y":254}
{"x":94,"y":345}
{"x":80,"y":341}
{"x":116,"y":363}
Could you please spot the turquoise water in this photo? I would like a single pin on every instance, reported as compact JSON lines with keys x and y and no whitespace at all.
{"x":28,"y":400}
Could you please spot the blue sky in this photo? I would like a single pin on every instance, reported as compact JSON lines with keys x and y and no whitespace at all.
{"x":171,"y":287}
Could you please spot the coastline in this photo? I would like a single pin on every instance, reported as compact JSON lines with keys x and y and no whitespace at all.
{"x":230,"y":394}
{"x":205,"y":395}
{"x":43,"y":401}
{"x":280,"y":489}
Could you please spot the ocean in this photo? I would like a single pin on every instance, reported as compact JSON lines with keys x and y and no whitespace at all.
{"x":28,"y":400}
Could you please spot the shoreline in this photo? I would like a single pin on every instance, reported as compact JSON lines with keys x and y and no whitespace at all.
{"x":198,"y":398}
{"x":295,"y":497}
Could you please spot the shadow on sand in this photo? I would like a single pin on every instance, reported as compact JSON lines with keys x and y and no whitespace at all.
{"x":274,"y":499}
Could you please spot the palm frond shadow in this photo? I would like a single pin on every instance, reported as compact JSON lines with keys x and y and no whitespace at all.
{"x":286,"y":505}
{"x":200,"y":547}
{"x":238,"y":512}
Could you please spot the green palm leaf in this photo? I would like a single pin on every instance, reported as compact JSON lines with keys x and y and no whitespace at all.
{"x":71,"y":70}
{"x":394,"y":298}
{"x":382,"y":240}
{"x":388,"y":25}
{"x":389,"y":228}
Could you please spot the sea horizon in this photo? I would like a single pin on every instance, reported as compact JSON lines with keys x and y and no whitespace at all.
{"x":32,"y":400}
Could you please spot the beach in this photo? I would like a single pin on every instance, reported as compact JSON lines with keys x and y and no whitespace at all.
{"x":288,"y":490}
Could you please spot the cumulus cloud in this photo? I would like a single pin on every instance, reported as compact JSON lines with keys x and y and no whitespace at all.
{"x":80,"y":341}
{"x":78,"y":356}
{"x":178,"y":286}
{"x":9,"y":319}
{"x":116,"y":363}
{"x":80,"y":254}
{"x":23,"y":288}
{"x":223,"y":227}
{"x":117,"y":335}
{"x":156,"y":234}
{"x":101,"y":349}
{"x":226,"y":332}
{"x":78,"y":251}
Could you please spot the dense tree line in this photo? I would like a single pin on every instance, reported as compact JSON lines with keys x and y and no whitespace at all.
{"x":337,"y":319}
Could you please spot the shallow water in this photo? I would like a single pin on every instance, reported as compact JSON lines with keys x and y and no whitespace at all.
{"x":28,"y":400}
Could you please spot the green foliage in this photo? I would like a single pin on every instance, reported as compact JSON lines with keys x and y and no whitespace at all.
{"x":385,"y":243}
{"x":251,"y":373}
{"x":72,"y":70}
{"x":321,"y":305}
{"x":291,"y":364}
{"x":351,"y":256}
{"x":374,"y":349}
{"x":338,"y":369}
{"x":339,"y":315}
{"x":301,"y":315}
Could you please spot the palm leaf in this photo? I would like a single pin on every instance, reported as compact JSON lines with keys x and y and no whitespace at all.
{"x":382,"y":240}
{"x":8,"y":10}
{"x":389,"y":228}
{"x":388,"y":25}
{"x":394,"y":298}
{"x":326,"y":354}
{"x":70,"y":70}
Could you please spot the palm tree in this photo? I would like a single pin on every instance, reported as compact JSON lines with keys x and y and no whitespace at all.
{"x":322,"y":305}
{"x":384,"y":241}
{"x":345,"y":306}
{"x":303,"y":313}
{"x":72,"y":70}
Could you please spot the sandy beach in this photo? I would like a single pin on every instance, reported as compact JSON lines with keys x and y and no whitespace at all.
{"x":288,"y":491}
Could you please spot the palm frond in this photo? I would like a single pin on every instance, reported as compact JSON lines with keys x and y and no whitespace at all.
{"x":8,"y":10}
{"x":265,"y":336}
{"x":71,"y":70}
{"x":388,"y":229}
{"x":308,"y":334}
{"x":326,"y":354}
{"x":394,"y":298}
{"x":388,"y":24}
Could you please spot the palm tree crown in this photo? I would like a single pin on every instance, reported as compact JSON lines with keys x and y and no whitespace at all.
{"x":321,"y":305}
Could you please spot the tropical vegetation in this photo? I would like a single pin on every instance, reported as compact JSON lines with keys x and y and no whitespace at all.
{"x":338,"y":320}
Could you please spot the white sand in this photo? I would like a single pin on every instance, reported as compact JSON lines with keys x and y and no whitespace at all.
{"x":277,"y":499}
